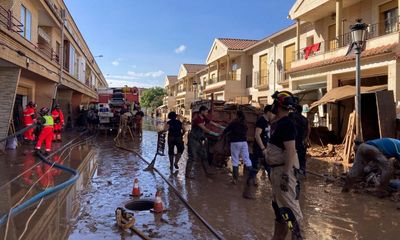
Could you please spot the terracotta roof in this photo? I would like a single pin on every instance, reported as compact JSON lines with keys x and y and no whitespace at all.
{"x":172,"y":79}
{"x":368,"y":53}
{"x":193,"y":68}
{"x":237,"y":44}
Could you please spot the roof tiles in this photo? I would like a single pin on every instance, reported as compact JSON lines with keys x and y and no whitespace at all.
{"x":237,"y":44}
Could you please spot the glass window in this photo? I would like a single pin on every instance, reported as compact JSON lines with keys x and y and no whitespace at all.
{"x":26,"y":20}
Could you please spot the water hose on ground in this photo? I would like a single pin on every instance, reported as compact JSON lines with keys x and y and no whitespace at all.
{"x":209,"y":227}
{"x":48,"y":191}
{"x":19,"y":132}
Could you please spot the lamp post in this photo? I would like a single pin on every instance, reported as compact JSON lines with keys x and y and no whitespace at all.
{"x":358,"y":37}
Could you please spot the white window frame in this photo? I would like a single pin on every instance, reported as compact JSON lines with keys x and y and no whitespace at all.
{"x":26,"y":20}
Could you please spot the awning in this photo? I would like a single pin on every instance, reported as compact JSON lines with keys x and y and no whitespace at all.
{"x":345,"y":92}
{"x":162,"y":106}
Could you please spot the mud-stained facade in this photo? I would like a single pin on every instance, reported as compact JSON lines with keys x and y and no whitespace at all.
{"x":30,"y":41}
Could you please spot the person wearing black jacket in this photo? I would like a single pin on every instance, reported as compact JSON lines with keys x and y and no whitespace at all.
{"x":237,"y":131}
{"x":175,"y":139}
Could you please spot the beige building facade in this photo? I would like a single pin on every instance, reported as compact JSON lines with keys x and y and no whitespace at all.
{"x":229,"y":69}
{"x":322,"y":38}
{"x":271,"y":59}
{"x":31,"y":54}
{"x":186,"y":88}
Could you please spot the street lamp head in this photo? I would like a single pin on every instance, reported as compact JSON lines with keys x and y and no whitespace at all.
{"x":359,"y":32}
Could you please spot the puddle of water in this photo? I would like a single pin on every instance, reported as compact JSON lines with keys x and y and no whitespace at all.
{"x":53,"y":218}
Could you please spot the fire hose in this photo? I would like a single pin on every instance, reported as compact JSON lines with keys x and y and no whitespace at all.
{"x":51,"y":190}
{"x":161,"y":144}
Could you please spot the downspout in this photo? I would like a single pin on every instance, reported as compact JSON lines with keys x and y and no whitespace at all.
{"x":61,"y":59}
{"x":274,"y":62}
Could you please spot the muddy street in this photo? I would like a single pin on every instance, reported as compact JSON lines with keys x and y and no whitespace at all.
{"x":329,"y":214}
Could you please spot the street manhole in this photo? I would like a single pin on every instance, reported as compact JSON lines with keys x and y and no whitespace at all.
{"x":140,"y":205}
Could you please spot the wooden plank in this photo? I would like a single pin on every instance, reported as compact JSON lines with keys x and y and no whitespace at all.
{"x":386,"y":113}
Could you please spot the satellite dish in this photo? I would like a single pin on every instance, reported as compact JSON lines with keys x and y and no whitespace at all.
{"x":279,"y":64}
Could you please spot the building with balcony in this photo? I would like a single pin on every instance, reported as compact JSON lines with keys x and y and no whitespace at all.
{"x":171,"y":89}
{"x":229,"y":69}
{"x":186,"y":88}
{"x":320,"y":63}
{"x":32,"y":53}
{"x":271,"y":59}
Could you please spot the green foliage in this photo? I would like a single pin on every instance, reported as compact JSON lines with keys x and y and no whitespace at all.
{"x":152,"y":97}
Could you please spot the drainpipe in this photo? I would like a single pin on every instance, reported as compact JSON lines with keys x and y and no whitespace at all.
{"x":61,"y":58}
{"x":273,"y":63}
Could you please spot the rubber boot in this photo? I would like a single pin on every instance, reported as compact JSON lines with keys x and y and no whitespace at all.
{"x":235,"y":175}
{"x":177,"y":158}
{"x":280,"y":231}
{"x":249,"y":187}
{"x":171,"y":162}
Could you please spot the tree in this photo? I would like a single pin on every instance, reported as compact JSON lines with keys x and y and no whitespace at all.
{"x":152,"y":97}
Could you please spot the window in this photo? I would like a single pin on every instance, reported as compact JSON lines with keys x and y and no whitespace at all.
{"x":66,"y":56}
{"x":72,"y":58}
{"x":288,"y":57}
{"x":263,"y":75}
{"x":332,"y":37}
{"x":26,"y":20}
{"x":58,"y":53}
{"x":310,"y":40}
{"x":388,"y":17}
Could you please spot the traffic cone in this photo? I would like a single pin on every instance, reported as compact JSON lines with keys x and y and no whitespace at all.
{"x":158,"y":205}
{"x":136,"y":189}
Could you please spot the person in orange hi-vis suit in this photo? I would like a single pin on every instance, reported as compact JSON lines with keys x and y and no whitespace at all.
{"x":29,"y":120}
{"x":58,"y":118}
{"x":46,"y":133}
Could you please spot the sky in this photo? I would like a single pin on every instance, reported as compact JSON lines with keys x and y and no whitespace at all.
{"x":142,"y":41}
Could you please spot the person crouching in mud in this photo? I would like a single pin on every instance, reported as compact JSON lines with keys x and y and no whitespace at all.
{"x":282,"y":157}
{"x":196,"y":146}
{"x":374,"y":158}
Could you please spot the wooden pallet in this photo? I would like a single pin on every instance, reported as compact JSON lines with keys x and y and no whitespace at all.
{"x":349,"y":140}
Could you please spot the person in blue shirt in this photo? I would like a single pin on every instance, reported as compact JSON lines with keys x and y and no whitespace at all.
{"x":372,"y":154}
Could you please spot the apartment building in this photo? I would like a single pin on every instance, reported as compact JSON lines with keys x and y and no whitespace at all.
{"x":319,"y":61}
{"x":171,"y":89}
{"x":229,"y":69}
{"x":31,"y":55}
{"x":187,"y":87}
{"x":271,"y":59}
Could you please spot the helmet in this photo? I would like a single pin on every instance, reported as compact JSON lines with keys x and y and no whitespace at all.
{"x":283,"y":99}
{"x":44,"y":110}
{"x":31,"y":104}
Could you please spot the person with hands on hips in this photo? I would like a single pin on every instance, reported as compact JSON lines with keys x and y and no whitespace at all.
{"x":197,"y":136}
{"x":281,"y":156}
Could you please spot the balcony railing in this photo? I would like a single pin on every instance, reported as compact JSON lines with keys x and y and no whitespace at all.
{"x":232,"y":76}
{"x":9,"y":21}
{"x":14,"y":25}
{"x":260,"y":79}
{"x":374,"y":30}
{"x":46,"y":50}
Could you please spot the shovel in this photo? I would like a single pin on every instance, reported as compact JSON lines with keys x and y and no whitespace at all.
{"x":160,"y":150}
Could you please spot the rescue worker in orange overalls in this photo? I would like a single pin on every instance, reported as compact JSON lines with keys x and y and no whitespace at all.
{"x":46,"y":134}
{"x":29,"y":120}
{"x":58,"y":118}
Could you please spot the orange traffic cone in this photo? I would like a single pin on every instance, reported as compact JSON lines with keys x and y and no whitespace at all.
{"x":158,"y":205}
{"x":136,"y":189}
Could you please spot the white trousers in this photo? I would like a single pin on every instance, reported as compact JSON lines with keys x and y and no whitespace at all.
{"x":240,"y":149}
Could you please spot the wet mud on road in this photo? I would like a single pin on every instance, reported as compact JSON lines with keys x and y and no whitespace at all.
{"x":329,"y":214}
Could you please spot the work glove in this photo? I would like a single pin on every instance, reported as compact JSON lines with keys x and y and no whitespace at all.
{"x":214,"y":134}
{"x":284,"y":182}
